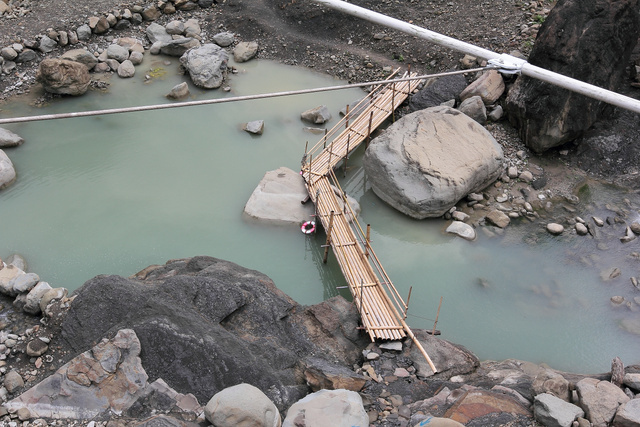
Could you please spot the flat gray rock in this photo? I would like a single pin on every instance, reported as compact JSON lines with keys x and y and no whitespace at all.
{"x":278,"y":197}
{"x":9,"y":139}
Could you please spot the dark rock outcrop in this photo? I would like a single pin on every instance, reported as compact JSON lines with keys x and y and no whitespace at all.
{"x":205,"y":324}
{"x":589,"y":40}
{"x":438,"y":91}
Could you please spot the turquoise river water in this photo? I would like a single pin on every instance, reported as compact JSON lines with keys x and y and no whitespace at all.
{"x":114,"y":194}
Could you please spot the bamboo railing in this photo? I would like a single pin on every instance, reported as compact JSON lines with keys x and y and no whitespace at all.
{"x":382,"y":309}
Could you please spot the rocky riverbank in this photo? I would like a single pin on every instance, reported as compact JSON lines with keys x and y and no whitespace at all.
{"x":174,"y":358}
{"x":393,"y":386}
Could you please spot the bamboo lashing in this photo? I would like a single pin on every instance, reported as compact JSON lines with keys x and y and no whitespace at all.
{"x":382,"y":314}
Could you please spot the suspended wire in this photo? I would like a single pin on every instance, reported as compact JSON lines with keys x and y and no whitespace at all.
{"x":226,"y":100}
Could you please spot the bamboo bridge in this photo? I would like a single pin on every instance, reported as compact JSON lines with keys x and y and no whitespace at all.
{"x":382,"y":309}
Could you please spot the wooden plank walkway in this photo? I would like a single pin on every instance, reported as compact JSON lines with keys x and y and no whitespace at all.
{"x":381,"y":308}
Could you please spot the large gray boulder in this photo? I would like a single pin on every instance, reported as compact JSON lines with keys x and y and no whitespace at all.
{"x":336,"y":408}
{"x":552,"y":411}
{"x":424,"y":163}
{"x":63,"y":76}
{"x":242,"y":405}
{"x":589,"y":40}
{"x":206,"y":65}
{"x":449,"y":359}
{"x":206,"y":324}
{"x":600,"y":400}
{"x":7,"y":171}
{"x":628,"y":414}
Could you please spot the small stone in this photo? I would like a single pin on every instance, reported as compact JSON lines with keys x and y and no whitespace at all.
{"x":497,"y":218}
{"x":512,"y":172}
{"x":617,"y":299}
{"x":179,"y":91}
{"x":23,"y":414}
{"x":581,"y":229}
{"x":598,"y":221}
{"x":475,"y":197}
{"x":36,"y":348}
{"x":526,"y":176}
{"x":459,"y":216}
{"x":13,"y":381}
{"x":555,"y":228}
{"x":635,"y":227}
{"x":255,"y":127}
{"x":373,"y":356}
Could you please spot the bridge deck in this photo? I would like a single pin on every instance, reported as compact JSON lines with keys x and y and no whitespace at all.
{"x":381,"y":307}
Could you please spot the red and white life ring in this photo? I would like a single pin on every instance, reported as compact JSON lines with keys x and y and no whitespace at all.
{"x":308,"y":227}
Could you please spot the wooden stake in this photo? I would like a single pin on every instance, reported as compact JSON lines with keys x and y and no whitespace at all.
{"x":361,"y":296}
{"x":346,"y":156}
{"x":326,"y":249}
{"x":346,"y":116}
{"x":406,"y":309}
{"x":393,"y":102}
{"x":325,"y":138}
{"x":369,"y":130}
{"x":437,"y":314}
{"x":366,"y":243}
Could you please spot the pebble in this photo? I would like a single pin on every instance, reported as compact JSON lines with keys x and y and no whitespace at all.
{"x":598,"y":221}
{"x":555,"y":228}
{"x":581,"y":229}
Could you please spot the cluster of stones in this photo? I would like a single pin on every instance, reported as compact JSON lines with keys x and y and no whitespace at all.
{"x":30,"y":50}
{"x":34,"y":297}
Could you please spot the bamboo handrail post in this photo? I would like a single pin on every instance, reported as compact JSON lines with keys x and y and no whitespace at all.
{"x":437,"y":314}
{"x":326,"y":249}
{"x":346,"y":116}
{"x":407,"y":305}
{"x":369,"y":130}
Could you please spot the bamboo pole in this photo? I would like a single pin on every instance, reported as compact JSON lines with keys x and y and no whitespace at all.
{"x":326,"y":249}
{"x":437,"y":314}
{"x":407,"y":305}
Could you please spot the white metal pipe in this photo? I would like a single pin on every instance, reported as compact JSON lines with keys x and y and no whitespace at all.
{"x":513,"y":65}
